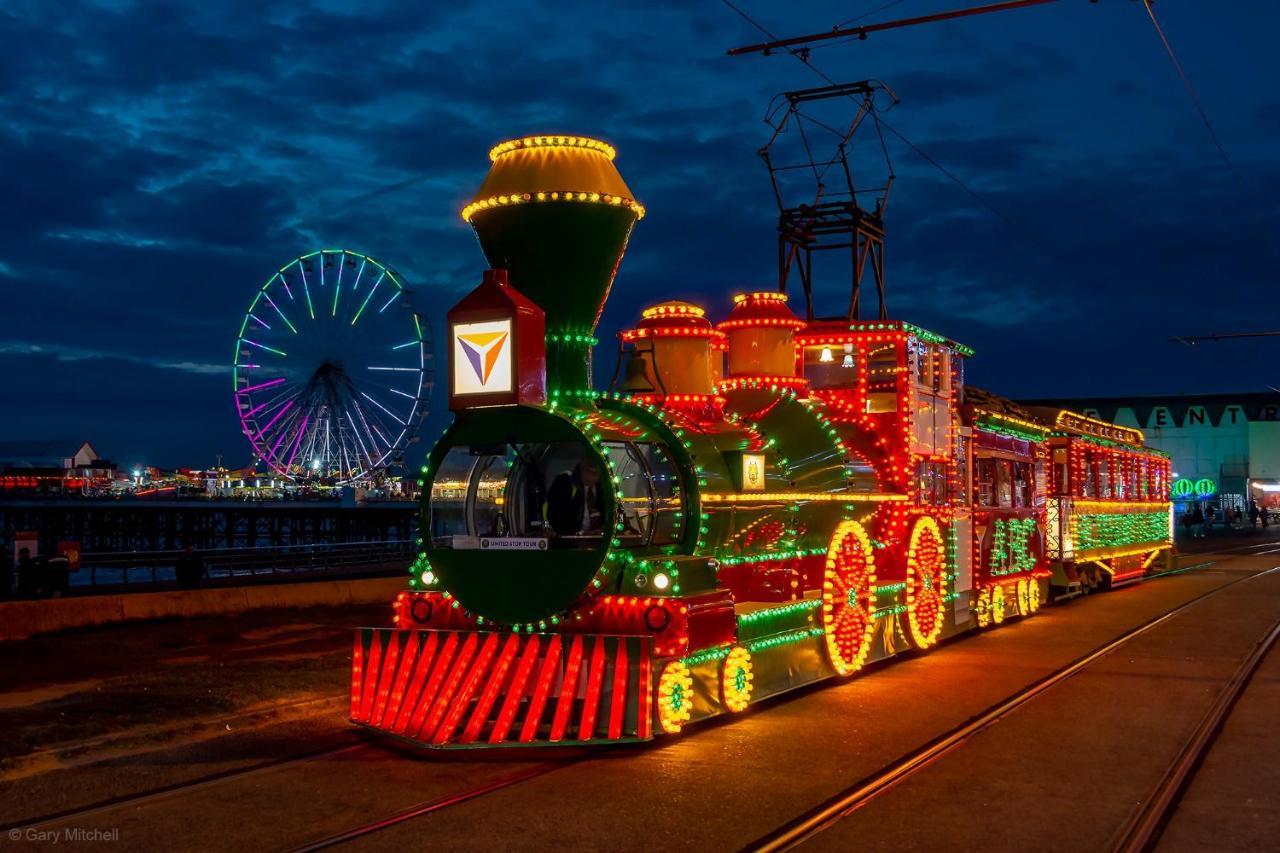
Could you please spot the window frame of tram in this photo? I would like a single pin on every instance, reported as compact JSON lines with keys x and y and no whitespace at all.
{"x":464,"y":468}
{"x":1004,"y":483}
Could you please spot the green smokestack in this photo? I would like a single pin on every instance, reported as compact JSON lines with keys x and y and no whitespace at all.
{"x":556,"y":214}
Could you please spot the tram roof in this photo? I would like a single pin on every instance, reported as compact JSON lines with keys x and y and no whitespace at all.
{"x":839,"y":325}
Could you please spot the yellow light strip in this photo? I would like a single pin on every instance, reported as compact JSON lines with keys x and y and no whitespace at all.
{"x":673,"y":309}
{"x":1067,"y":414}
{"x":1001,"y":416}
{"x":1121,"y":551}
{"x":581,"y":143}
{"x":762,"y":295}
{"x":524,"y":198}
{"x":776,"y":497}
{"x":1120,"y":506}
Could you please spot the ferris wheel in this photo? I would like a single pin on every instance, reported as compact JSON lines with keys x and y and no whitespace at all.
{"x":333,"y":368}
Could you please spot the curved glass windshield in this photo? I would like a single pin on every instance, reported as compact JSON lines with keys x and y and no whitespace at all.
{"x":541,"y":495}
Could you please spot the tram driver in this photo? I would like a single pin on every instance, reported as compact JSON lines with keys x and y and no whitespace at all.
{"x":575,"y":505}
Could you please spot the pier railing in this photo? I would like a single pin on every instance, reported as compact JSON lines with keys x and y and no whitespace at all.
{"x":151,"y":570}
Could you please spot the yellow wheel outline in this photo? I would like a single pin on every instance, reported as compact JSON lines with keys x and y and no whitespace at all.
{"x":1024,"y":598}
{"x":831,"y":608}
{"x":998,"y":605}
{"x":1033,"y":595}
{"x":983,"y":609}
{"x":736,"y":698}
{"x":675,"y":681}
{"x":925,"y":524}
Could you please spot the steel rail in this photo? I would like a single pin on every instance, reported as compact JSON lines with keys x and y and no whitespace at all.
{"x":432,"y":805}
{"x":1147,"y":824}
{"x":798,"y":830}
{"x":166,"y":791}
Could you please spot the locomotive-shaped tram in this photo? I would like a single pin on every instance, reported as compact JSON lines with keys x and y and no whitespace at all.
{"x":756,"y":505}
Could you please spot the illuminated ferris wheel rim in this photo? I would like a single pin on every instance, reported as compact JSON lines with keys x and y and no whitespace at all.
{"x":317,"y":394}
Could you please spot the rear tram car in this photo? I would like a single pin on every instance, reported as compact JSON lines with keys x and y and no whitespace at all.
{"x":755,"y":505}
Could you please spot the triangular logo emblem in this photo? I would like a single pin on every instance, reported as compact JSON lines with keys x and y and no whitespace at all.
{"x":483,"y":350}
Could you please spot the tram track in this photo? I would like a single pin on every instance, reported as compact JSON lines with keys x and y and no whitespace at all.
{"x":428,"y":806}
{"x":1146,"y":826}
{"x":177,"y":789}
{"x":826,"y":814}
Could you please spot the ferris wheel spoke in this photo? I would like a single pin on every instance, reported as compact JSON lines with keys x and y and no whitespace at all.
{"x":306,"y":289}
{"x":297,"y":442}
{"x":337,"y":288}
{"x":368,"y":296}
{"x":285,"y":282}
{"x":264,"y":347}
{"x":393,"y":298}
{"x":389,"y":413}
{"x":286,"y":407}
{"x":359,"y":273}
{"x":269,"y":404}
{"x":273,"y":304}
{"x":269,"y":384}
{"x":359,"y":437}
{"x":283,"y":433}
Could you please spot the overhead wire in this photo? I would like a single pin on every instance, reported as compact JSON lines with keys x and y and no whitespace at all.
{"x":1208,"y":125}
{"x":951,"y":176}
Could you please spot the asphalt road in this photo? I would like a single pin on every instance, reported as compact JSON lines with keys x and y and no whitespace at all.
{"x":1061,"y":772}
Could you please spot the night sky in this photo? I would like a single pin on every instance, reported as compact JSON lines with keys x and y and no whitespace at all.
{"x":160,"y":161}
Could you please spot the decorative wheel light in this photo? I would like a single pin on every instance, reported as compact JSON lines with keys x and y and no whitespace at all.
{"x":1033,"y":595}
{"x":997,"y":604}
{"x":1024,"y":597}
{"x":332,"y":368}
{"x":675,"y":697}
{"x":926,"y":582}
{"x":736,"y":679}
{"x":848,"y":592}
{"x":983,"y":608}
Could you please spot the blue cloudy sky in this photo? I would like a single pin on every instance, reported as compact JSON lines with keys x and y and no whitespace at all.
{"x":161,"y":160}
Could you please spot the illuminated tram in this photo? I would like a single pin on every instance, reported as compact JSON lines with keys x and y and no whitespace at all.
{"x":754,"y":505}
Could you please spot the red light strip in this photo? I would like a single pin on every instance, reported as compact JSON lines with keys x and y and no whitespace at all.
{"x":645,"y":717}
{"x":451,"y":684}
{"x":469,"y":687}
{"x":761,"y":322}
{"x":670,"y":332}
{"x":423,"y":666}
{"x":490,"y":695}
{"x":568,"y":688}
{"x":357,"y":673}
{"x":371,"y":677}
{"x":539,"y":701}
{"x":408,"y":666}
{"x":595,"y":680}
{"x":389,"y":661}
{"x":438,"y":669}
{"x":516,"y":693}
{"x":618,"y":707}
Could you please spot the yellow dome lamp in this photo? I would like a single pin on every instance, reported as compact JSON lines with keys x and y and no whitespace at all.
{"x":555,"y":213}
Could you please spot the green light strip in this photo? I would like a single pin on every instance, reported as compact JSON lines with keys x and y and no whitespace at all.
{"x":783,"y":639}
{"x":779,"y":612}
